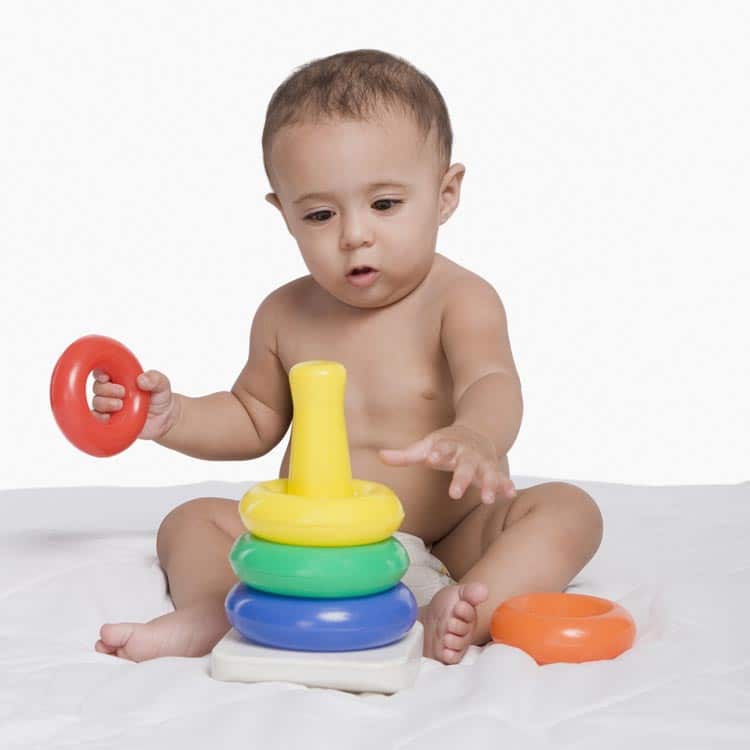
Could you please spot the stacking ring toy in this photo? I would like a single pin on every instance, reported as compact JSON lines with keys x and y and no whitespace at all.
{"x":369,"y":513}
{"x":346,"y":526}
{"x":303,"y":624}
{"x":68,"y":396}
{"x":318,"y":572}
{"x":559,"y":627}
{"x":320,"y":505}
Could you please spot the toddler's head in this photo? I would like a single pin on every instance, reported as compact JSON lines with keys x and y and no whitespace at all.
{"x":357,"y":148}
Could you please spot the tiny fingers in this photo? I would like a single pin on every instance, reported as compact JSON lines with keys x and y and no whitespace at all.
{"x":112,"y":390}
{"x":493,"y":483}
{"x":490,"y":483}
{"x":102,"y":404}
{"x":462,"y":477}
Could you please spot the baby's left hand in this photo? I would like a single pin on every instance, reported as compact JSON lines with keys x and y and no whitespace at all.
{"x":467,"y":453}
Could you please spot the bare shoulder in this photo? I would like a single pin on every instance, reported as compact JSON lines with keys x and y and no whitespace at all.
{"x":280,"y":304}
{"x":287,"y":295}
{"x":459,"y":287}
{"x":474,"y":327}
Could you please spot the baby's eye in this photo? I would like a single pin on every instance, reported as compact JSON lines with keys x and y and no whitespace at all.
{"x":392,"y":201}
{"x":382,"y":204}
{"x":311,"y":217}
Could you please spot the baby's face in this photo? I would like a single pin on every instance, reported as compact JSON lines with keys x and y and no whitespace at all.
{"x":357,"y":194}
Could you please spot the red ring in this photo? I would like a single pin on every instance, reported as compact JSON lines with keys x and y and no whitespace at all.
{"x":67,"y":392}
{"x":560,"y":627}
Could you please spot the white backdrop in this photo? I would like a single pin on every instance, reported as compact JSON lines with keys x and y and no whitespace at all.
{"x":606,"y":198}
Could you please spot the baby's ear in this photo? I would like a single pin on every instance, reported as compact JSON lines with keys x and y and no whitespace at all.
{"x":273,"y":199}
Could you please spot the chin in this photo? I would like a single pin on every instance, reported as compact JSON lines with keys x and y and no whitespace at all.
{"x":365,"y":304}
{"x":370,"y":299}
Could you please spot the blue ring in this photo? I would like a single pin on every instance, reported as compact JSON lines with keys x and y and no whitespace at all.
{"x":306,"y":624}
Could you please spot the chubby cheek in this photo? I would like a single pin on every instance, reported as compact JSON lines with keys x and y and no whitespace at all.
{"x":415,"y":239}
{"x":416,"y":224}
{"x":320,"y":261}
{"x":317,"y":246}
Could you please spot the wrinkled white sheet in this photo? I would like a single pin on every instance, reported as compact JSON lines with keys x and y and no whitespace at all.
{"x":677,"y":557}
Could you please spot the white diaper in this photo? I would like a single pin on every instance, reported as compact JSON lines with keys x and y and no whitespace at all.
{"x":426,"y":575}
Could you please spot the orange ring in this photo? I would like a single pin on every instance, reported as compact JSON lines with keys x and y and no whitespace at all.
{"x":558,"y":627}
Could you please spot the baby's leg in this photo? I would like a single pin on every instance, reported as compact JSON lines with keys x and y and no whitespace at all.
{"x":537,"y":542}
{"x":193,"y":545}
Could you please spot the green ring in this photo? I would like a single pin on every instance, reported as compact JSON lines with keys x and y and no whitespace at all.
{"x":318,"y":572}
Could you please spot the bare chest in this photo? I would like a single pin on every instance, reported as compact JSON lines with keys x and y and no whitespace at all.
{"x":398,"y":380}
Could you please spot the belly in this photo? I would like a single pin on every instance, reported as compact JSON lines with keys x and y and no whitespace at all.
{"x":429,"y":511}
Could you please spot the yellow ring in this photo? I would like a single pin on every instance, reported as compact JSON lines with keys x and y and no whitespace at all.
{"x":371,"y":514}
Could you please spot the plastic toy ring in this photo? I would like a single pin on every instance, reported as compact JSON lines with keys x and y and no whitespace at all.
{"x":558,"y":627}
{"x":371,"y":514}
{"x":303,"y":624}
{"x":318,"y":572}
{"x":68,"y":396}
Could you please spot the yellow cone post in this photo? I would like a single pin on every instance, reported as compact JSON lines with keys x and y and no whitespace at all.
{"x":319,"y":461}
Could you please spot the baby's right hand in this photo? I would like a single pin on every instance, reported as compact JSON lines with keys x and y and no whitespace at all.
{"x":162,"y":410}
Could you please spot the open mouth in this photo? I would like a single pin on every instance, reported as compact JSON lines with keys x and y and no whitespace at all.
{"x":362,"y":276}
{"x":361,"y":270}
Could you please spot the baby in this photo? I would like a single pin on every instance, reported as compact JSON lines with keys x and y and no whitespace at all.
{"x":357,"y":152}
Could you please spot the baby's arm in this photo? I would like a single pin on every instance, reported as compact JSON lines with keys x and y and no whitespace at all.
{"x":253,"y":417}
{"x":486,"y":387}
{"x":486,"y":396}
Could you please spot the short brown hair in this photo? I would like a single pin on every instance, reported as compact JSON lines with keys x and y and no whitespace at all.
{"x":352,"y":85}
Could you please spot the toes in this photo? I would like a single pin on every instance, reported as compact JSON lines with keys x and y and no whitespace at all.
{"x":455,"y":642}
{"x":116,"y":635}
{"x":451,"y":656}
{"x":102,"y":648}
{"x":458,"y":626}
{"x":451,"y":619}
{"x":464,"y":611}
{"x":473,"y":593}
{"x":114,"y":639}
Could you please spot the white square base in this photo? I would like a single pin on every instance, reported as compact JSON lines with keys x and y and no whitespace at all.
{"x":386,"y":669}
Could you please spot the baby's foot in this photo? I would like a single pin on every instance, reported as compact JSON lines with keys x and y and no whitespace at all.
{"x":190,"y":631}
{"x":450,"y":619}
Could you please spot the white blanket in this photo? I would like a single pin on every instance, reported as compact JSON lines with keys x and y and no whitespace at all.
{"x":678,"y":558}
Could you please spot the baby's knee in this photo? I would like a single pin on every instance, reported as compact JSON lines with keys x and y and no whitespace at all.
{"x":584,"y":515}
{"x":198,"y":506}
{"x":173,"y":524}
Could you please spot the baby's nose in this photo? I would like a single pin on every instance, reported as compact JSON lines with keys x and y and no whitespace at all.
{"x":355,"y":232}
